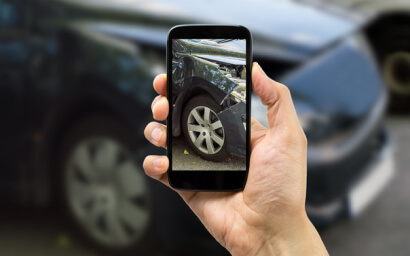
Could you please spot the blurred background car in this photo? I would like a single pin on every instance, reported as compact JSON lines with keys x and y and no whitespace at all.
{"x":389,"y":35}
{"x":76,"y":89}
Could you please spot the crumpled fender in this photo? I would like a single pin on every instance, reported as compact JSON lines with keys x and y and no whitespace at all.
{"x":235,"y":134}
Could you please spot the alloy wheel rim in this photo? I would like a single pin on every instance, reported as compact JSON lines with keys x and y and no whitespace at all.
{"x":205,"y":130}
{"x":107,"y":192}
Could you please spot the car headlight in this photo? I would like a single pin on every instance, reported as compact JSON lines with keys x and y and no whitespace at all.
{"x":322,"y":128}
{"x":238,"y":76}
{"x":239,"y":92}
{"x":315,"y":125}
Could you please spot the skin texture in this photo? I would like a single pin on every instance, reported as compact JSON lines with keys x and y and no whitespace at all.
{"x":268,"y":217}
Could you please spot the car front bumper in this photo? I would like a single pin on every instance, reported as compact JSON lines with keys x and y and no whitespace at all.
{"x":374,"y":178}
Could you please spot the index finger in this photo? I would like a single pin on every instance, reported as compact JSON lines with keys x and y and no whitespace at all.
{"x":160,"y":84}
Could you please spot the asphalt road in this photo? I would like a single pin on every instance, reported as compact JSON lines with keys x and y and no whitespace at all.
{"x":383,"y":229}
{"x":181,"y":161}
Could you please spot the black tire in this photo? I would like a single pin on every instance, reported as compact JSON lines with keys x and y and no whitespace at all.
{"x":200,"y":103}
{"x":393,"y":50}
{"x":98,"y":132}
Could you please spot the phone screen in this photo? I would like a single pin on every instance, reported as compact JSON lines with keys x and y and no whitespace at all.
{"x":208,"y":92}
{"x":209,"y":86}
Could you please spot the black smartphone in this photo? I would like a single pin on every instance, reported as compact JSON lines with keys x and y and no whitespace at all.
{"x":209,"y":93}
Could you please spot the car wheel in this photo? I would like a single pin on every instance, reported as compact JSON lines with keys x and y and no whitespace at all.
{"x":203,"y":130}
{"x":396,"y":69}
{"x":104,"y":191}
{"x":395,"y":65}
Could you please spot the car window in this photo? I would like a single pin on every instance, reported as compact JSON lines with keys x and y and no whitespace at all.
{"x":11,"y":17}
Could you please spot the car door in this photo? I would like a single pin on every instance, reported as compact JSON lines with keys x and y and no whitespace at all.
{"x":13,"y":56}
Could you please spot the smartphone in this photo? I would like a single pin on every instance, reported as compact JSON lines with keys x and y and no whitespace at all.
{"x":209,"y":93}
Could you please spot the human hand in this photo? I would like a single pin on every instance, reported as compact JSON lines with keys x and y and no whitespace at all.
{"x":268,"y":217}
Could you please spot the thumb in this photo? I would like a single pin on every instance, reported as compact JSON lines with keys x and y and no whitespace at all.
{"x":276,"y":97}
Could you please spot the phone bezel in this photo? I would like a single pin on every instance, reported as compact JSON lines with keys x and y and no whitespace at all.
{"x":205,"y":180}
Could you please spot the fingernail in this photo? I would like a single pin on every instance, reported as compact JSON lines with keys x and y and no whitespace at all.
{"x":158,"y":162}
{"x":156,"y":134}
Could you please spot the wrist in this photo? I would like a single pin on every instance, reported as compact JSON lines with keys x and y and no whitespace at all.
{"x":296,"y":238}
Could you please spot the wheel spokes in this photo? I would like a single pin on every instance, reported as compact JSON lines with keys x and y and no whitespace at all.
{"x":215,"y":137}
{"x":202,"y":124}
{"x":94,"y":214}
{"x":106,"y":156}
{"x":194,"y":128}
{"x":83,"y":163}
{"x":83,"y":193}
{"x":197,"y":117}
{"x":216,"y":125}
{"x":209,"y":145}
{"x":132,"y":215}
{"x":207,"y":115}
{"x":199,"y":140}
{"x":107,"y":191}
{"x":115,"y":227}
{"x":131,"y":180}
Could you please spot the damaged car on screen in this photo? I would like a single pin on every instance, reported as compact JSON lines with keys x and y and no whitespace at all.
{"x":209,"y":90}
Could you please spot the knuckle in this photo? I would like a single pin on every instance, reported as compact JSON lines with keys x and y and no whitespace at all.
{"x":294,"y":135}
{"x":283,"y":89}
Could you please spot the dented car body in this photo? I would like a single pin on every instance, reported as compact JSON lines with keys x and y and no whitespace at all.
{"x":214,"y":68}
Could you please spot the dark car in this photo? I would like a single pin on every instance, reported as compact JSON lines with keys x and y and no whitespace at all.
{"x":209,"y":89}
{"x":76,"y":90}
